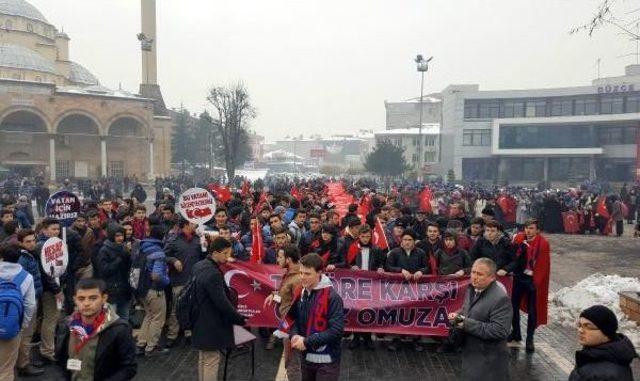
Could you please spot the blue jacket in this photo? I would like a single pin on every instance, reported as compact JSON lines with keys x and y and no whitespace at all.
{"x":322,"y":347}
{"x":29,"y":262}
{"x":156,"y":262}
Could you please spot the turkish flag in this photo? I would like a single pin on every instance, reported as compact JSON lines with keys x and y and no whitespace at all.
{"x":379,"y":237}
{"x":571,"y":222}
{"x":257,"y":246}
{"x":364,"y":206}
{"x":223,"y":194}
{"x":602,"y":207}
{"x":425,"y":200}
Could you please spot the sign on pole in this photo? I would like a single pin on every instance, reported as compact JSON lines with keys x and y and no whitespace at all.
{"x":64,"y":206}
{"x":196,"y":205}
{"x":54,"y":257}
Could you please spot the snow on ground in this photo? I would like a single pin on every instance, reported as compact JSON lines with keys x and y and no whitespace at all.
{"x":566,"y":304}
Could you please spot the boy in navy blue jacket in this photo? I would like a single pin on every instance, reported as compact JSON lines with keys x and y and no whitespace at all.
{"x":317,"y":322}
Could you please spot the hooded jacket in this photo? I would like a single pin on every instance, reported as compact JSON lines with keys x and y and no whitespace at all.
{"x":609,"y":361}
{"x":156,"y":264}
{"x":114,"y":354}
{"x":321,"y":344}
{"x":8,"y":271}
{"x":114,"y":264}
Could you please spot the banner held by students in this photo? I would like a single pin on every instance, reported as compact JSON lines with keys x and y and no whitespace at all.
{"x":374,"y":302}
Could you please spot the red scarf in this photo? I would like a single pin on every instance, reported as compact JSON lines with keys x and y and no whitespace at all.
{"x":139,"y":228}
{"x":354,"y":250}
{"x":78,"y":330}
{"x":317,"y":319}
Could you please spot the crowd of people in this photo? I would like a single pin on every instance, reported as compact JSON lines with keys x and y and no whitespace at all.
{"x":125,"y":258}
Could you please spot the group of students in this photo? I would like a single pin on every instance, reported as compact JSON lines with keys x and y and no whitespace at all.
{"x":120,"y":256}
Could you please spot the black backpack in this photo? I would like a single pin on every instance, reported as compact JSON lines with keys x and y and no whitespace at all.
{"x":139,"y":278}
{"x":187,"y":308}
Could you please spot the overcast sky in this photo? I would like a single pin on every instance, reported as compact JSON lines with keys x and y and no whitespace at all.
{"x":327,"y":66}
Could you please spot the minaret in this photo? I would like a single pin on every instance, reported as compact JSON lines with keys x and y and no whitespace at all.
{"x":148,"y":44}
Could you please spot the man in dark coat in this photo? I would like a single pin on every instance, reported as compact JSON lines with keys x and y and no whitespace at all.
{"x":485,"y":320}
{"x":114,"y":263}
{"x":606,"y":354}
{"x":213,"y":327}
{"x":496,"y":246}
{"x":94,"y":343}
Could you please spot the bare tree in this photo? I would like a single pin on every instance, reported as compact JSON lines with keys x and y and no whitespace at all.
{"x":235,"y":110}
{"x":607,"y":15}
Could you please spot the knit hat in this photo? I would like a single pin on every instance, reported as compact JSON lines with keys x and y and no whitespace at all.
{"x":603,"y":318}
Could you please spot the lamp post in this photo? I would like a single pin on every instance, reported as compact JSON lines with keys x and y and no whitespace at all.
{"x":422,"y":65}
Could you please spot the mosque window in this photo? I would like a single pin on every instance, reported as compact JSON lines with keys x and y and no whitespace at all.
{"x":38,"y":78}
{"x":29,"y":27}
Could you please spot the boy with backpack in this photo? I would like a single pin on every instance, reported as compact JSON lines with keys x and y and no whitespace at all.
{"x":17,"y":306}
{"x":150,"y":264}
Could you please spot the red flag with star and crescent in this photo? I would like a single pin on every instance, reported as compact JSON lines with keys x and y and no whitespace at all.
{"x":379,"y":238}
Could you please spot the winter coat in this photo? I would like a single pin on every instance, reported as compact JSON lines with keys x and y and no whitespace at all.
{"x":114,"y":264}
{"x":29,"y":262}
{"x":502,"y":253}
{"x":398,"y":260}
{"x":115,"y":357}
{"x":451,"y":263}
{"x":188,"y":251}
{"x":331,"y":337}
{"x":296,"y":233}
{"x":609,"y":361}
{"x":156,"y":264}
{"x":213,"y":327}
{"x":290,"y":280}
{"x":486,"y":327}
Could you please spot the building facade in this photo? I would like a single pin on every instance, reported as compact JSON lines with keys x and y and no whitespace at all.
{"x":562,"y":135}
{"x":409,"y":139}
{"x":57,"y":120}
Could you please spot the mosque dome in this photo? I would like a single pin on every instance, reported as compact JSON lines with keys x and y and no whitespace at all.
{"x":79,"y":74}
{"x":21,"y":8}
{"x":21,"y":58}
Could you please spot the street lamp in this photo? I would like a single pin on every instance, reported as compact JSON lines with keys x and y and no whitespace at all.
{"x":422,"y":65}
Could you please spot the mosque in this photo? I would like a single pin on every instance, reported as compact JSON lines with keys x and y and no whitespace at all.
{"x":56,"y":119}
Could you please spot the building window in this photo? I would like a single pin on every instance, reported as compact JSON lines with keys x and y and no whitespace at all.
{"x":116,"y":168}
{"x":514,"y":109}
{"x":586,"y":106}
{"x":470,"y":109}
{"x":38,"y":78}
{"x":430,"y":157}
{"x":568,"y":168}
{"x":536,"y":108}
{"x":561,"y":107}
{"x":414,"y":158}
{"x":489,"y":110}
{"x":29,"y":27}
{"x":546,"y":136}
{"x":633,"y":103}
{"x":476,"y":138}
{"x":617,"y":135}
{"x":611,"y":105}
{"x":479,"y":168}
{"x":429,"y":141}
{"x":63,"y":169}
{"x":524,"y":169}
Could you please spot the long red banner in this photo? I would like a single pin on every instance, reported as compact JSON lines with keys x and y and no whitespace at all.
{"x":373,"y":302}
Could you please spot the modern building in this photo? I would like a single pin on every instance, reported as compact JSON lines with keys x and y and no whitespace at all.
{"x":406,"y":113}
{"x":409,"y":139}
{"x":568,"y":134}
{"x":56,"y":119}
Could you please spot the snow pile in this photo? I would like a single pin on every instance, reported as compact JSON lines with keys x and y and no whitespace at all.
{"x":566,"y":304}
